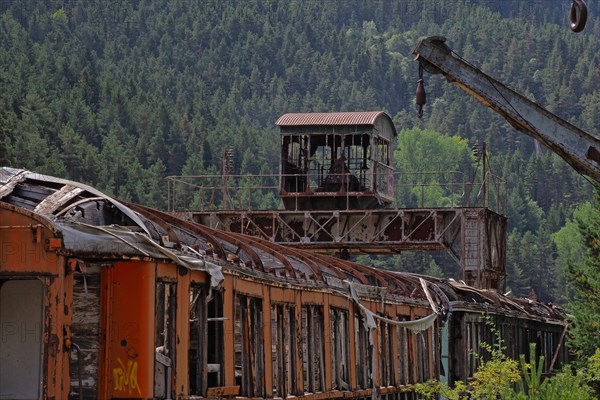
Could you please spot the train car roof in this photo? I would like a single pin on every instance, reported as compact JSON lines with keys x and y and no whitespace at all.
{"x":94,"y":225}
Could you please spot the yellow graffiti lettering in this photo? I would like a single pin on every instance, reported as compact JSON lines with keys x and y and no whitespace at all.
{"x":126,"y":378}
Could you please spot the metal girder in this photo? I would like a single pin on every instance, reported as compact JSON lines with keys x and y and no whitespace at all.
{"x":474,"y":237}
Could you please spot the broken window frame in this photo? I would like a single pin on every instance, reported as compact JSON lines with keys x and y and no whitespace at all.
{"x":363,"y":351}
{"x":249,"y":346}
{"x":340,"y":349}
{"x":206,"y":333}
{"x":283,"y":349}
{"x":386,"y":354}
{"x":165,"y":336}
{"x":313,"y":348}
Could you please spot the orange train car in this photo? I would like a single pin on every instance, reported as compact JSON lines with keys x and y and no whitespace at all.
{"x":105,"y":300}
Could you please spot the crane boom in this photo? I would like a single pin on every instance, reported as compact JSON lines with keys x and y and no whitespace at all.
{"x":577,"y":147}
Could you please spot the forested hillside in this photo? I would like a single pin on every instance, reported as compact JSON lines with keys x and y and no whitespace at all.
{"x":120,"y":94}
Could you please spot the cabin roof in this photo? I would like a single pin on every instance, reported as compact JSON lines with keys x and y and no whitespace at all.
{"x":334,"y":119}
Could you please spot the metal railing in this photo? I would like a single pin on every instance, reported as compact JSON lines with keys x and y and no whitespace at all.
{"x":432,"y":189}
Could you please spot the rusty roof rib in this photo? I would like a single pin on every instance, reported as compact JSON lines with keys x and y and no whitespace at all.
{"x":155,"y":217}
{"x":196,"y":228}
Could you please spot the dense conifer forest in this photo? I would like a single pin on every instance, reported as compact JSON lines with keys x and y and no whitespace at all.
{"x":120,"y":94}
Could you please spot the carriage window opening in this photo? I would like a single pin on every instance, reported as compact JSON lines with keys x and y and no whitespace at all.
{"x":386,"y":351}
{"x":418,"y":339}
{"x":166,"y":303}
{"x":206,"y":339}
{"x":339,"y":349}
{"x":313,"y":362}
{"x":403,"y":365}
{"x":283,"y":349}
{"x":412,"y":357}
{"x":249,"y":346}
{"x":423,"y":350}
{"x":363,"y":353}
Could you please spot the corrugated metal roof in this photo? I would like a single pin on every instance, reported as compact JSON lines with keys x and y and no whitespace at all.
{"x":335,"y":118}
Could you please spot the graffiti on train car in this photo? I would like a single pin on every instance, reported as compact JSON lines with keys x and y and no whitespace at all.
{"x":126,"y":377}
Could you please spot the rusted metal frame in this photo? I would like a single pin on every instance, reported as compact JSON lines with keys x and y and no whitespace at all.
{"x":336,"y":263}
{"x":399,"y":280}
{"x":427,"y":218}
{"x":446,"y":228}
{"x":285,"y":224}
{"x":255,"y":257}
{"x":321,"y":227}
{"x":192,"y":226}
{"x":363,"y":269}
{"x":233,"y":239}
{"x":250,"y":222}
{"x":399,"y":214}
{"x":308,"y":258}
{"x":159,"y":219}
{"x":347,"y":231}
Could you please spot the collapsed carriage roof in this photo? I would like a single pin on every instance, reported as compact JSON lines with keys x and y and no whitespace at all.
{"x":95,"y":226}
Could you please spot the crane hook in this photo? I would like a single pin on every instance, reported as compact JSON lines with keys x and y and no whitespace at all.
{"x":578,"y":15}
{"x":421,"y":97}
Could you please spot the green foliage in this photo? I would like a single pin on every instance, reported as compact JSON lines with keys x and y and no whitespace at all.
{"x":121,"y":94}
{"x":496,"y":378}
{"x":433,"y":169}
{"x":495,"y":375}
{"x":583,"y":283}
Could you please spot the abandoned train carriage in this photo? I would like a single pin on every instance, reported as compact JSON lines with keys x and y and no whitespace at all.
{"x":100,"y":299}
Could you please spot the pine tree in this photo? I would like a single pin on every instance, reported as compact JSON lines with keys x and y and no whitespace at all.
{"x":583,"y":279}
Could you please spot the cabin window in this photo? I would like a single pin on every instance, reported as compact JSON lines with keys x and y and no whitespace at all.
{"x":166,"y":306}
{"x":339,"y":349}
{"x":386,"y":352}
{"x":294,"y":163}
{"x":283,"y":349}
{"x":363,"y":353}
{"x":382,"y":151}
{"x":249,"y":346}
{"x":313,"y":363}
{"x":206,"y":339}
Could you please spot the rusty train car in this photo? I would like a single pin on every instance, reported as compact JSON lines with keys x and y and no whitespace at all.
{"x":100,"y":299}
